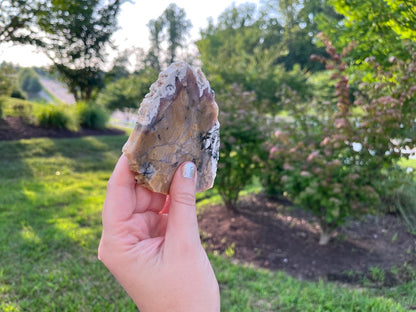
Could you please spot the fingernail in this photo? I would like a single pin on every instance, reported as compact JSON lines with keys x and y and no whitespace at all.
{"x":188,"y":171}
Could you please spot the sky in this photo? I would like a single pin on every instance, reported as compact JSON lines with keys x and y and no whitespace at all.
{"x":133,"y":32}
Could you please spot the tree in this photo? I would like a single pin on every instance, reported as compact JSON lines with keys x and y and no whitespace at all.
{"x":76,"y":35}
{"x":156,"y":38}
{"x":18,"y":19}
{"x":120,"y":67}
{"x":29,"y":81}
{"x":243,"y":48}
{"x":171,"y":27}
{"x":300,"y":30}
{"x":378,"y":28}
{"x":340,"y":161}
{"x":127,"y":92}
{"x":177,"y":27}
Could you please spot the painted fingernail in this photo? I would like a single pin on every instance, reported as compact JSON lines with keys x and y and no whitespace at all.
{"x":188,"y":171}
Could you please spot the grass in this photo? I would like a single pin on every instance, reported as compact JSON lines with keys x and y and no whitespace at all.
{"x":51,"y":194}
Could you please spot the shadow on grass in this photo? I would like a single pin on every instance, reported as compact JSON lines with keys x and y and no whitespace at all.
{"x":50,"y":223}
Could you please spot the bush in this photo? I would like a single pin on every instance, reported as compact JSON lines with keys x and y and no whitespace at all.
{"x":23,"y":110}
{"x":338,"y":161}
{"x":17,"y":94}
{"x":402,"y":199}
{"x":317,"y":164}
{"x":271,"y":175}
{"x":58,"y":117}
{"x":91,"y":116}
{"x":1,"y":107}
{"x":242,"y":137}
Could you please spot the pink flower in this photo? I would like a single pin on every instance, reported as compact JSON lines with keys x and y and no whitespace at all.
{"x":325,"y":141}
{"x":312,"y":156}
{"x":305,"y":174}
{"x":288,"y":167}
{"x":340,"y":123}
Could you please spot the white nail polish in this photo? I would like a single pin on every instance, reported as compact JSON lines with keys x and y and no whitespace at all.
{"x":188,"y":171}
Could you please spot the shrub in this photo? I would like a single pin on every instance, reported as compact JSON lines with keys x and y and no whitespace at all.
{"x":317,"y":162}
{"x":91,"y":116}
{"x":1,"y":107}
{"x":402,"y":200}
{"x":337,"y":160}
{"x":242,"y":137}
{"x":58,"y":117}
{"x":17,"y":94}
{"x":23,"y":110}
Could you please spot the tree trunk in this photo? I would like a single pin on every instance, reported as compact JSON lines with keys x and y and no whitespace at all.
{"x":324,"y":238}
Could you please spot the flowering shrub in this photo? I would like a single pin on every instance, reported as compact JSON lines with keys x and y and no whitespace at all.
{"x":334,"y":156}
{"x":242,"y":137}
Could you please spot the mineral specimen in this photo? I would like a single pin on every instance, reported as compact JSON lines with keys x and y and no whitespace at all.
{"x":177,"y":122}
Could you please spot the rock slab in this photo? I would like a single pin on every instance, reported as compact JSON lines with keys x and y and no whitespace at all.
{"x":177,"y":122}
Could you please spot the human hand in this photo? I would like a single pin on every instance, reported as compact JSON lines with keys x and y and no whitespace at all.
{"x":151,"y":244}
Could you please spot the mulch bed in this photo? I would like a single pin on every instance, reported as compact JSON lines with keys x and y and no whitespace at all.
{"x":273,"y":234}
{"x":15,"y":128}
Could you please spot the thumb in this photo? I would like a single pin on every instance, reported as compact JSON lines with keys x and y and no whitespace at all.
{"x":182,"y":220}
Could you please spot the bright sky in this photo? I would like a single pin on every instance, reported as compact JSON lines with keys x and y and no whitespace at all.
{"x":133,"y":19}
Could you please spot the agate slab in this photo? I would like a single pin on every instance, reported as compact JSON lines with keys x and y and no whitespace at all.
{"x":177,"y":122}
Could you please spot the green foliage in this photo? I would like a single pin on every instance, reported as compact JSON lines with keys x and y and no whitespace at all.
{"x":17,"y":19}
{"x":7,"y":78}
{"x":241,"y":144}
{"x":172,"y":27}
{"x":29,"y":81}
{"x":21,"y":108}
{"x":339,"y":161}
{"x":403,"y":201}
{"x":60,"y":117}
{"x":91,"y":115}
{"x":76,"y":35}
{"x":379,"y":28}
{"x":127,"y":92}
{"x":319,"y":169}
{"x":299,"y":20}
{"x":17,"y":94}
{"x":177,"y":27}
{"x":1,"y":107}
{"x":244,"y":49}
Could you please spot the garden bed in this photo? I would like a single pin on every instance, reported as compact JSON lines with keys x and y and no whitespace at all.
{"x":274,"y":235}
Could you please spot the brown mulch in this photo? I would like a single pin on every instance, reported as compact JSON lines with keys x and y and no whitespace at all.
{"x":15,"y":128}
{"x":273,"y":234}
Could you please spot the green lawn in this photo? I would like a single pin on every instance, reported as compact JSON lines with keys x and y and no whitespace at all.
{"x":51,"y":193}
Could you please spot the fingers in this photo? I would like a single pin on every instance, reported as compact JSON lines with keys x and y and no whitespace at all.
{"x":124,"y":197}
{"x":120,"y":199}
{"x":182,"y":220}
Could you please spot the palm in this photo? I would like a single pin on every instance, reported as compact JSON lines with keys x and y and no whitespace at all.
{"x":146,"y":220}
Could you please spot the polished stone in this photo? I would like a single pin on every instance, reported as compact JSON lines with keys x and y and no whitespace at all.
{"x":177,"y":122}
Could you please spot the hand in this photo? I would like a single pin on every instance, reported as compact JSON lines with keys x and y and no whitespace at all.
{"x":151,"y":244}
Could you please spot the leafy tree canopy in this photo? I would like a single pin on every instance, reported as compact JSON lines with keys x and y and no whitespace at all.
{"x":172,"y":27}
{"x":17,"y":20}
{"x":77,"y":33}
{"x":378,"y":28}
